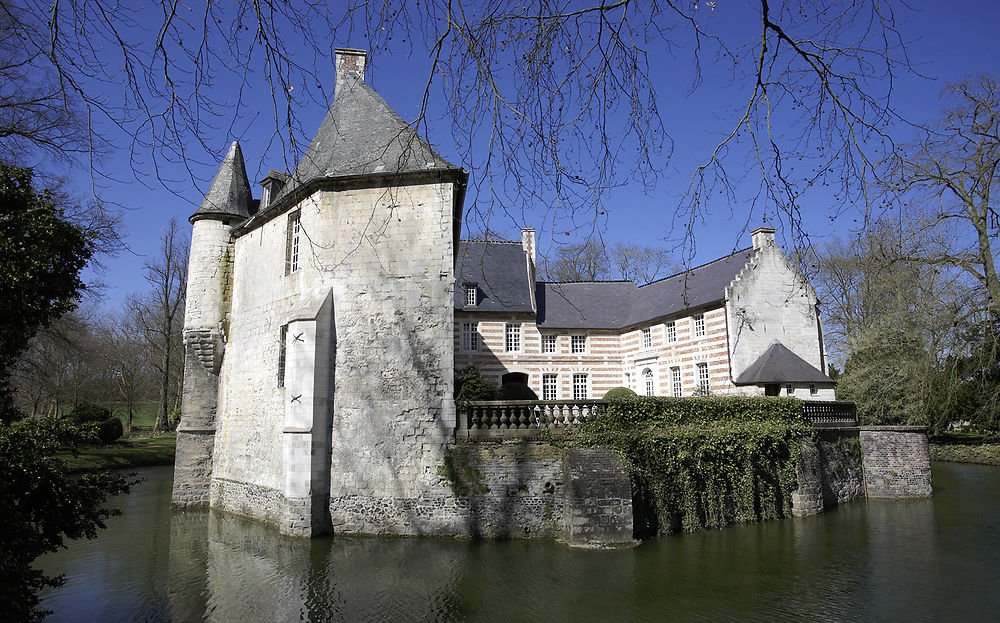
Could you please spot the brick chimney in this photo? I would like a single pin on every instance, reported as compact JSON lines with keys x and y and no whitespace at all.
{"x":762,"y":237}
{"x":528,"y":245}
{"x":348,"y":61}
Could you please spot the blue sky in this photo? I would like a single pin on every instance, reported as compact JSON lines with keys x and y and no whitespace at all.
{"x":947,"y":41}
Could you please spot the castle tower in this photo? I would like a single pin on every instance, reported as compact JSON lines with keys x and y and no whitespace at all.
{"x":209,"y":291}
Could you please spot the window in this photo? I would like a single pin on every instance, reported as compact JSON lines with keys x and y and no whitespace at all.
{"x":579,"y":387}
{"x":812,"y":390}
{"x":548,"y":343}
{"x":549,"y":388}
{"x":282,"y":341}
{"x":578,"y":344}
{"x":647,"y":338}
{"x":671,"y":331}
{"x":471,"y":295}
{"x":265,"y":196}
{"x":513,"y":338}
{"x":699,"y":325}
{"x":628,"y":380}
{"x":470,"y":336}
{"x":703,"y":388}
{"x":675,"y":381}
{"x":293,"y":232}
{"x":647,"y":378}
{"x":789,"y":390}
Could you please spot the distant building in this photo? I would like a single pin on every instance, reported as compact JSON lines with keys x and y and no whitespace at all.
{"x":747,"y":323}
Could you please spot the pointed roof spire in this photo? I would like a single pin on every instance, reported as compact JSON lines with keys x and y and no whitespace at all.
{"x":362,"y":135}
{"x":229,"y":196}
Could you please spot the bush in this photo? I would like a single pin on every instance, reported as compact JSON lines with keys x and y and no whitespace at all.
{"x":89,"y":412}
{"x":619,"y":393}
{"x":517,"y":391}
{"x":110,"y":430}
{"x":470,"y":385}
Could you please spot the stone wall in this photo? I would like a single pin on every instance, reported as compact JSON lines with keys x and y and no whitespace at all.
{"x":829,"y":473}
{"x":377,"y":430}
{"x":897,"y":461}
{"x":769,"y":300}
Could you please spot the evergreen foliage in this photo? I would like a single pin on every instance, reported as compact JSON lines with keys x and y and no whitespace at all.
{"x":89,"y":412}
{"x":705,"y":462}
{"x":110,"y":430}
{"x":41,"y":256}
{"x":41,"y":505}
{"x":470,"y":385}
{"x":619,"y":393}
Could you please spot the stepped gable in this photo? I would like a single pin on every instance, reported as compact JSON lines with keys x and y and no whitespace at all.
{"x":778,"y":364}
{"x":690,"y":289}
{"x":229,"y":195}
{"x":500,"y":272}
{"x":584,"y":304}
{"x":361,"y":135}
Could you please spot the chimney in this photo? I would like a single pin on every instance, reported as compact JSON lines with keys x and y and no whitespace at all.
{"x":762,"y":237}
{"x":348,"y":61}
{"x":528,"y":245}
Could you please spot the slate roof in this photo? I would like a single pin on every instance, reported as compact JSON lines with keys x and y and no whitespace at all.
{"x":778,"y":364}
{"x":499,"y":270}
{"x":229,"y":194}
{"x":362,"y":135}
{"x":620,"y":304}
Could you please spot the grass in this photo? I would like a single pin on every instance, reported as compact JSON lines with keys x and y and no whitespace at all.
{"x":134,"y":452}
{"x":983,"y":453}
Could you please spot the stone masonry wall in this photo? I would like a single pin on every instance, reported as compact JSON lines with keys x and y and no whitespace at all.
{"x":897,"y":461}
{"x":385,"y":256}
{"x":770,"y":301}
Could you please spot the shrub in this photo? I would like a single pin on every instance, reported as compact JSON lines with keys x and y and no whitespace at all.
{"x":517,"y":391}
{"x":110,"y":430}
{"x":619,"y":393}
{"x":470,"y":385}
{"x":89,"y":412}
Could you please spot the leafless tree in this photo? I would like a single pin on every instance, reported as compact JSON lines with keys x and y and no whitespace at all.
{"x":592,"y":260}
{"x":642,"y":264}
{"x":586,"y":261}
{"x":550,"y":104}
{"x":160,"y":315}
{"x":950,"y":177}
{"x":128,"y":360}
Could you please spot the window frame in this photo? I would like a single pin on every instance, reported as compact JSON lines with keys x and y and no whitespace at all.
{"x":293,"y":242}
{"x":704,"y":384}
{"x":699,"y":325}
{"x":647,"y":337}
{"x":512,"y":337}
{"x":471,"y":295}
{"x":549,"y":343}
{"x":649,"y":382}
{"x":578,"y":393}
{"x":554,"y":387}
{"x":470,"y":337}
{"x":574,"y":344}
{"x":671,"y":331}
{"x":282,"y":355}
{"x":676,"y":382}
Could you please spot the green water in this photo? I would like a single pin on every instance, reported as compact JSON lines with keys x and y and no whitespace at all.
{"x":917,"y":560}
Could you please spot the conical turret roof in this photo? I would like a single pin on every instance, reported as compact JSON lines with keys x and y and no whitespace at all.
{"x":361,"y":135}
{"x":229,"y":195}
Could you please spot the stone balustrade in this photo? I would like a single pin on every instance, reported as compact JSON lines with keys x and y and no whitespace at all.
{"x":503,"y":419}
{"x":830,"y":413}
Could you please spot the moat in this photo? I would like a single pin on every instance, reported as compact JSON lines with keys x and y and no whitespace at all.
{"x":915,"y":560}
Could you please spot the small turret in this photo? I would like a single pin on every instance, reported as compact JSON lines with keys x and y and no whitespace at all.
{"x":209,"y":287}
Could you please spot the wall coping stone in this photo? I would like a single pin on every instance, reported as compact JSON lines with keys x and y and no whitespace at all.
{"x":897,"y":429}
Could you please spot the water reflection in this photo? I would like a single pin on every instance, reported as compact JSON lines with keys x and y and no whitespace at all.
{"x":917,"y":560}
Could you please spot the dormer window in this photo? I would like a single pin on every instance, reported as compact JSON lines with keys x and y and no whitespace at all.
{"x":471,"y":295}
{"x":270,"y":186}
{"x":265,"y":197}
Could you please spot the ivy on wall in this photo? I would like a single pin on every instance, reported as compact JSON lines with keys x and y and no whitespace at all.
{"x":702,"y":463}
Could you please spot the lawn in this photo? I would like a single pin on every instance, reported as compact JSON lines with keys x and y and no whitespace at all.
{"x":134,"y":452}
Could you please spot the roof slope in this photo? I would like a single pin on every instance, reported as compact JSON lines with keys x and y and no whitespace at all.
{"x":362,"y":135}
{"x":585,"y":304}
{"x":620,"y":304}
{"x":229,"y":194}
{"x":500,"y":270}
{"x":778,"y":364}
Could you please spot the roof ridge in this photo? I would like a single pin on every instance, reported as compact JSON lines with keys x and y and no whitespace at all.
{"x":588,"y":281}
{"x":518,"y":242}
{"x":694,"y":268}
